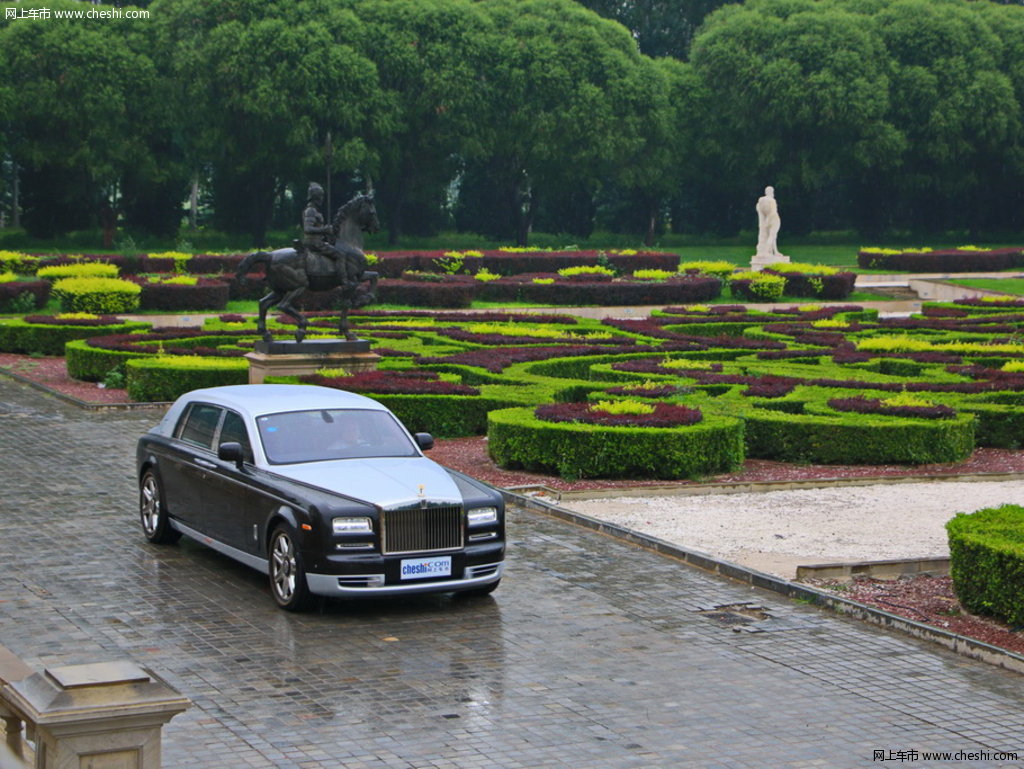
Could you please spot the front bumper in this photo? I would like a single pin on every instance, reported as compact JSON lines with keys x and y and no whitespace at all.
{"x":375,"y":585}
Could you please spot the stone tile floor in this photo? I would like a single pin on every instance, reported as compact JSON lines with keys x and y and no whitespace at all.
{"x":591,"y":654}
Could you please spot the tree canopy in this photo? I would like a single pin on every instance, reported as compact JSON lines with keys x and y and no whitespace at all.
{"x":508,"y":116}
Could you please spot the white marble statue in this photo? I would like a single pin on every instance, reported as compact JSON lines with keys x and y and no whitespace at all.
{"x":768,"y":223}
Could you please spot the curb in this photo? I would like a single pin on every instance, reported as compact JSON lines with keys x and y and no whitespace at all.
{"x":966,"y":647}
{"x":80,"y":403}
{"x":745,"y":487}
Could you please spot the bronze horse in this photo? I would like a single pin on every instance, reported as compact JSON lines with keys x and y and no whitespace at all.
{"x":290,"y":272}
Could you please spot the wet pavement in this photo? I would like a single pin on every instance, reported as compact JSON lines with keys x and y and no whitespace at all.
{"x":592,"y":653}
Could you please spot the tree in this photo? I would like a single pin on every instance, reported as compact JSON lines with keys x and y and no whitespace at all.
{"x":76,"y":94}
{"x":660,"y":27}
{"x":265,"y":84}
{"x":801,"y":102}
{"x":562,"y":90}
{"x":956,"y":107}
{"x":428,"y":54}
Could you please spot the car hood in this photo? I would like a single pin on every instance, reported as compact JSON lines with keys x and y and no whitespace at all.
{"x":388,"y":482}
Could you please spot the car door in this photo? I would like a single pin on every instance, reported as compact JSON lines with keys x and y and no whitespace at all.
{"x":184,"y":470}
{"x":231,"y":498}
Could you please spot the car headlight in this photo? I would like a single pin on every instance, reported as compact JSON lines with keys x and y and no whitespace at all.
{"x":481,"y":516}
{"x":352,"y":526}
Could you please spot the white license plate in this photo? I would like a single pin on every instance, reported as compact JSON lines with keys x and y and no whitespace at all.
{"x":423,"y":568}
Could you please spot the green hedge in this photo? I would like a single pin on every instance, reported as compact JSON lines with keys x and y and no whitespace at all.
{"x":91,"y":364}
{"x":857,"y":439}
{"x":986,"y":558}
{"x":165,"y":378}
{"x":517,"y":439}
{"x":17,"y":336}
{"x":996,"y":426}
{"x":99,"y":295}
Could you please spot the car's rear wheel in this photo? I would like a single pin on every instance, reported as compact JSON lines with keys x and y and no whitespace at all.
{"x":287,"y":574}
{"x":153,"y":512}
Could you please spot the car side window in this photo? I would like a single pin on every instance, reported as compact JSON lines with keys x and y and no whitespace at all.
{"x":233,"y":430}
{"x":200,"y":425}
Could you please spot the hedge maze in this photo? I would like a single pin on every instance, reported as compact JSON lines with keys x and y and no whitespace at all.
{"x":588,"y":398}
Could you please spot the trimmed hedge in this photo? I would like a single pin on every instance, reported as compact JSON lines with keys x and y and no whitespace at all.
{"x":391,"y":264}
{"x":14,"y":295}
{"x":424,"y":294}
{"x":986,"y":559}
{"x":207,"y":294}
{"x":98,"y":295}
{"x":856,"y":439}
{"x":165,"y":378}
{"x":516,"y":438}
{"x":92,"y":364}
{"x":19,"y":336}
{"x":686,"y":289}
{"x":952,"y":260}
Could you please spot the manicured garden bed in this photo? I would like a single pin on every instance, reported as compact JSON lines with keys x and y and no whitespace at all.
{"x":805,"y":384}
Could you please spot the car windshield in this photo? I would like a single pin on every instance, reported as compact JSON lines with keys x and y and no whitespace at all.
{"x":323,"y":434}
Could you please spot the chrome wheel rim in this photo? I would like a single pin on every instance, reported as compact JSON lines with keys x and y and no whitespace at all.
{"x":150,"y":505}
{"x":282,"y":562}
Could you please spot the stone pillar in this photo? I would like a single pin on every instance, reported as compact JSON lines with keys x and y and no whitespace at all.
{"x":100,"y":716}
{"x":295,"y":358}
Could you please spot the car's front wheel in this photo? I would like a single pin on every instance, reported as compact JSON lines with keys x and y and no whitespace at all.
{"x":287,"y":574}
{"x":153,"y":512}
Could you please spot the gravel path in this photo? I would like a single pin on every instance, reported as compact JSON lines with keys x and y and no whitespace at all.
{"x":775,"y":531}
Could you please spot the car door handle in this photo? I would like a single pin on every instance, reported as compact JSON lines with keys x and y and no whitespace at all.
{"x":204,"y":463}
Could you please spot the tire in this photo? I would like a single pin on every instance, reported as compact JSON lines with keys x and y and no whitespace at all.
{"x":153,"y":511}
{"x":287,"y":573}
{"x":480,"y":592}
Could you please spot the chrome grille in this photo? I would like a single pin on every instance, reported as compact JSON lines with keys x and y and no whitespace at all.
{"x":420,"y":530}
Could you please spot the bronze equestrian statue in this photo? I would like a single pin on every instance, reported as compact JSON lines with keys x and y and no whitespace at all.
{"x":328,"y":256}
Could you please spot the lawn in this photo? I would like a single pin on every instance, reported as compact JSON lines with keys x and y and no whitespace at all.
{"x":1003,"y":285}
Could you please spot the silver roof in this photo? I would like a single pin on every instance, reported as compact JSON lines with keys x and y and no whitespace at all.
{"x":272,"y":398}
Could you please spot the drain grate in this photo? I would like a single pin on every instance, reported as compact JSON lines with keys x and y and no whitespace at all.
{"x":736,"y":615}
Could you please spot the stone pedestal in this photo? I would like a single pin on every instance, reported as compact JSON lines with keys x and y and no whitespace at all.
{"x":759,"y":261}
{"x":101,"y":716}
{"x":295,"y":358}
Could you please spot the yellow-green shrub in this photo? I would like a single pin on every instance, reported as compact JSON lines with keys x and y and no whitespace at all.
{"x":78,"y":270}
{"x":22,"y":264}
{"x":99,"y":295}
{"x":568,"y":272}
{"x":720,"y":269}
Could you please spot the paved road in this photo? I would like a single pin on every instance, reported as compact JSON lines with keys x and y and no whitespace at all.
{"x":591,"y":654}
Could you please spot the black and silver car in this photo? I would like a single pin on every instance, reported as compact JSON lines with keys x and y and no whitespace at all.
{"x":323,"y":490}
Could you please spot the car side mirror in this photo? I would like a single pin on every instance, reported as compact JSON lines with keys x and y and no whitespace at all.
{"x":231,"y":452}
{"x":425,"y":441}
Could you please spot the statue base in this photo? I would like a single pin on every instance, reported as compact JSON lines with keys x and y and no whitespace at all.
{"x":759,"y":261}
{"x":307,"y":357}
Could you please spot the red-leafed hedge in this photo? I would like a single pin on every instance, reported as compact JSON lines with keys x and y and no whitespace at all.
{"x":953,"y":260}
{"x":424,"y":294}
{"x":206,"y":294}
{"x":681,"y":290}
{"x":664,"y":415}
{"x":211,"y":264}
{"x":862,"y":405}
{"x":39,"y":290}
{"x":391,"y":264}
